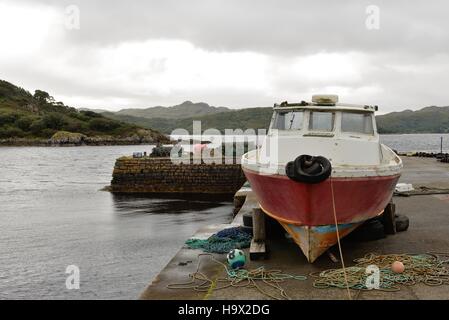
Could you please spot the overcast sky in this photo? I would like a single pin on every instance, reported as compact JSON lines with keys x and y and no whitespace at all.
{"x":233,"y":53}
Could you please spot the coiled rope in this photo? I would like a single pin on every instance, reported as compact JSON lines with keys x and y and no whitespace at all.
{"x":428,"y":269}
{"x":238,"y":278}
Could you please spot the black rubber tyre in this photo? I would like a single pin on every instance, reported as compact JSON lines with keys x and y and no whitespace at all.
{"x":307,"y":164}
{"x":308,"y":169}
{"x":402,"y":222}
{"x":290,"y":170}
{"x":248,"y":220}
{"x":369,"y":231}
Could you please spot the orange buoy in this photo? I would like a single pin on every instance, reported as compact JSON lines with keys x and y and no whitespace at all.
{"x":397,"y":267}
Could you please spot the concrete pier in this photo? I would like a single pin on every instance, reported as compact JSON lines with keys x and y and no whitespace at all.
{"x":428,"y":232}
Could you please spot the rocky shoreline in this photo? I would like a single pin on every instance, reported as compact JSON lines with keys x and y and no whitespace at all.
{"x":65,"y":138}
{"x":46,"y":143}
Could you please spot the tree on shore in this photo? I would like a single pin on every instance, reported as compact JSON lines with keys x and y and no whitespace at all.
{"x":43,"y":97}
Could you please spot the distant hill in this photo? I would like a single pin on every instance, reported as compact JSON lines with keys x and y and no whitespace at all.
{"x":249,"y":118}
{"x":26,"y":118}
{"x":184,"y":110}
{"x":426,"y":120}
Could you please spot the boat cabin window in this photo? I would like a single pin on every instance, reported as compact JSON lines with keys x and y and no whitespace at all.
{"x":289,"y":120}
{"x":357,"y":122}
{"x":321,"y":121}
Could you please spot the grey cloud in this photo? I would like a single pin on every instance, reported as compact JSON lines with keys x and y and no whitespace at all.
{"x":269,"y":26}
{"x":406,"y":60}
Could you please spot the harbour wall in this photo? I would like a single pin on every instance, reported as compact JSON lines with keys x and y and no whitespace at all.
{"x":161,"y":175}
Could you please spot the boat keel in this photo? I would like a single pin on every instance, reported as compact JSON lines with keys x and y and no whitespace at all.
{"x":315,"y":240}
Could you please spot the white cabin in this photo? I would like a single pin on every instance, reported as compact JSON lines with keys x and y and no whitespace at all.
{"x":345,"y":134}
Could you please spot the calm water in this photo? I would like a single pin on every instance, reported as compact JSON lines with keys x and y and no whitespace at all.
{"x":416,"y":142}
{"x":52,"y":215}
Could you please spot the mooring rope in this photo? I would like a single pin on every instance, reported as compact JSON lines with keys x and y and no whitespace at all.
{"x":427,"y":268}
{"x":338,"y":241}
{"x":237,"y":278}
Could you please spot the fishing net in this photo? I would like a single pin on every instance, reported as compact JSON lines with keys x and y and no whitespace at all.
{"x":222,"y":241}
{"x":428,"y":269}
{"x":267,"y":282}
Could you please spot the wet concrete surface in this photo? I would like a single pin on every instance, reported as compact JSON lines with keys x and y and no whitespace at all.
{"x":428,"y":232}
{"x":425,"y":172}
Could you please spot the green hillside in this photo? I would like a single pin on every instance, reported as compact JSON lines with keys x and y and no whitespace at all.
{"x":426,"y":120}
{"x":184,"y":110}
{"x":38,"y":116}
{"x":27,"y":117}
{"x":250,"y":118}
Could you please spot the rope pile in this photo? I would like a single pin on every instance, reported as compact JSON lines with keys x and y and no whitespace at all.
{"x":222,"y":241}
{"x":238,"y":278}
{"x":419,"y":268}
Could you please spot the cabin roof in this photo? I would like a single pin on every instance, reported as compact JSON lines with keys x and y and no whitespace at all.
{"x":324,"y":107}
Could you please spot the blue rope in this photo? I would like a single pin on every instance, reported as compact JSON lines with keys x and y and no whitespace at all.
{"x":223,"y":241}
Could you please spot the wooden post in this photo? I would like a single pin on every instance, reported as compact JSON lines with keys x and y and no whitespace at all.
{"x":389,"y":218}
{"x":258,"y":248}
{"x":258,"y":225}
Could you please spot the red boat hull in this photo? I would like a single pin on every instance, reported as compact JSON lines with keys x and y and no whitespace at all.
{"x":356,"y":199}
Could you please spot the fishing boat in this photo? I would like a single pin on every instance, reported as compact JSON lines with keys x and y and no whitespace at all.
{"x":321,"y":170}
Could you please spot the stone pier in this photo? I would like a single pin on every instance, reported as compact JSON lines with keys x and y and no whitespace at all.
{"x":161,"y":175}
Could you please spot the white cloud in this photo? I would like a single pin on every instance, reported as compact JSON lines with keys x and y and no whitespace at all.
{"x":24,"y":29}
{"x":163,"y":67}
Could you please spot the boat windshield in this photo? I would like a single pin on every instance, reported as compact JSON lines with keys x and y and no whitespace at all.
{"x":357,"y":123}
{"x":321,"y":121}
{"x":289,"y":120}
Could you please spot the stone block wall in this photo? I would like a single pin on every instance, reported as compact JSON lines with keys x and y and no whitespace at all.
{"x":160,"y":175}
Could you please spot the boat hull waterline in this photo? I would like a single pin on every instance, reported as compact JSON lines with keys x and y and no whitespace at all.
{"x":356,"y":199}
{"x":306,"y":210}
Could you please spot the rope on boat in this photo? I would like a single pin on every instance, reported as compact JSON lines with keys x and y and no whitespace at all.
{"x":428,"y":269}
{"x":272,"y":279}
{"x":345,"y":275}
{"x":222,"y":241}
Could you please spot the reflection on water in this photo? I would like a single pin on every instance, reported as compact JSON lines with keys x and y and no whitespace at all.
{"x":136,"y":204}
{"x":430,"y":142}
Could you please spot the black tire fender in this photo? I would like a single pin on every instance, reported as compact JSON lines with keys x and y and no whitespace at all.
{"x":308,"y":164}
{"x":309,"y":169}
